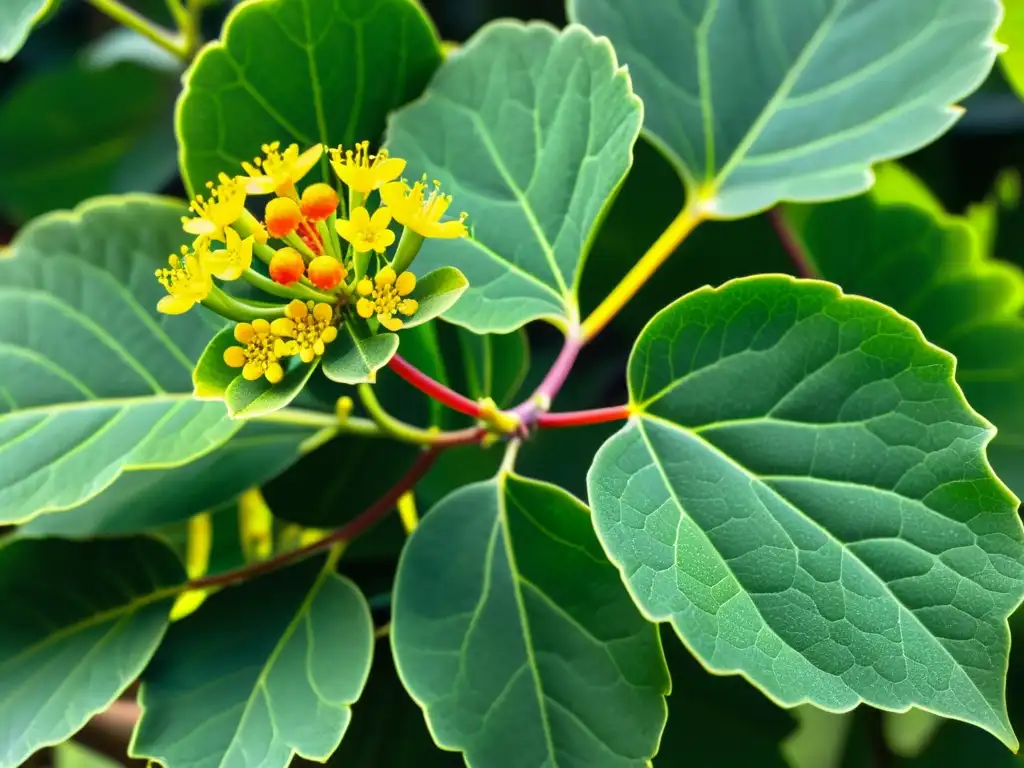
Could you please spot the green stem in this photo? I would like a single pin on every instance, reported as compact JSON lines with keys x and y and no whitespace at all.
{"x":125,"y":16}
{"x":299,"y":245}
{"x":408,"y":246}
{"x":301,"y":417}
{"x":293,"y":291}
{"x":238,"y":310}
{"x":187,"y":19}
{"x":408,"y":433}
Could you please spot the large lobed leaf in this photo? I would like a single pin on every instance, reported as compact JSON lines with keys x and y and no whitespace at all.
{"x":514,"y":633}
{"x":803,"y":492}
{"x":531,"y":130}
{"x":96,"y":382}
{"x":259,"y":673}
{"x":309,"y":71}
{"x":80,"y":621}
{"x":756,"y":101}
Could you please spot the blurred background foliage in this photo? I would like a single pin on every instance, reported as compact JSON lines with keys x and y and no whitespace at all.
{"x":86,"y":108}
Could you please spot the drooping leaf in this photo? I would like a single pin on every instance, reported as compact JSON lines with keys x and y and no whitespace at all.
{"x":353,"y":359}
{"x":81,"y":620}
{"x":319,"y":71}
{"x":757,"y":102}
{"x":804,"y":494}
{"x":275,"y":664}
{"x":95,"y":381}
{"x":894,"y":247}
{"x":17,"y":17}
{"x":514,"y":633}
{"x":435,"y":293}
{"x":531,"y":130}
{"x":73,"y":128}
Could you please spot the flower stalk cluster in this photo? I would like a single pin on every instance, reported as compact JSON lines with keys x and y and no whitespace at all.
{"x":327,"y":257}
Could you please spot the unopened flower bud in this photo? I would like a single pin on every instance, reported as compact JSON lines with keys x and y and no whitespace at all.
{"x":283,"y":216}
{"x":326,"y":272}
{"x":319,"y":201}
{"x":287,"y":266}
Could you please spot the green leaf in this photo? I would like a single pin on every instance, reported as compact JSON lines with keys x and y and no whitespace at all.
{"x":514,"y":634}
{"x":275,"y":664}
{"x":388,"y":729}
{"x":495,"y":364}
{"x":531,"y":130}
{"x":95,"y":381}
{"x":757,"y":102}
{"x":894,"y":248}
{"x":703,"y":707}
{"x":81,"y":620}
{"x":17,"y":17}
{"x":69,"y":148}
{"x":350,"y":359}
{"x":821,"y":738}
{"x":436,"y":292}
{"x":804,"y":494}
{"x":319,"y":71}
{"x":1011,"y":34}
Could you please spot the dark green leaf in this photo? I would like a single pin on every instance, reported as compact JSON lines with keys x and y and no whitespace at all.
{"x":81,"y":620}
{"x":95,"y":381}
{"x":318,"y":71}
{"x":351,"y":359}
{"x":804,"y":494}
{"x":17,"y":17}
{"x":72,"y":129}
{"x":756,"y":102}
{"x":259,"y":673}
{"x":514,"y":633}
{"x":436,"y":292}
{"x":535,"y":187}
{"x":495,"y":364}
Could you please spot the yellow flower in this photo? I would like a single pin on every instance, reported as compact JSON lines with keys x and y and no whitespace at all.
{"x":231,"y":263}
{"x":309,"y":326}
{"x":221,"y":209}
{"x":362,"y":171}
{"x":386,"y":297}
{"x":277,"y":172}
{"x":422,"y":214}
{"x":186,"y":280}
{"x":366,"y":233}
{"x":264,"y":347}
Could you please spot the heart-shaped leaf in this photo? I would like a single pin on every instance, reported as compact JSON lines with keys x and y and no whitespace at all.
{"x":899,"y":247}
{"x":353,"y":359}
{"x":803,"y":492}
{"x":17,"y":17}
{"x":276,"y":662}
{"x":81,"y":620}
{"x":95,"y":381}
{"x":317,"y":71}
{"x":514,"y":633}
{"x":436,"y":292}
{"x":531,"y":130}
{"x":756,"y":102}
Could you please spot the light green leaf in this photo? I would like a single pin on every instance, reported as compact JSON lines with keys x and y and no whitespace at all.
{"x":1011,"y":34}
{"x":909,"y":733}
{"x":531,"y":130}
{"x":17,"y":17}
{"x":757,"y":102}
{"x":350,"y":359}
{"x":804,"y":494}
{"x":932,"y":268}
{"x":70,"y":147}
{"x":495,"y":364}
{"x":95,"y":381}
{"x":273,"y":665}
{"x":81,"y":620}
{"x":514,"y":634}
{"x":326,"y":71}
{"x":820,"y":740}
{"x":436,"y":292}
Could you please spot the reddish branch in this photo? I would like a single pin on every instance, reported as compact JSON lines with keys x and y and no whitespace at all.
{"x":434,"y":388}
{"x":805,"y":266}
{"x":583,"y":418}
{"x":347,"y":532}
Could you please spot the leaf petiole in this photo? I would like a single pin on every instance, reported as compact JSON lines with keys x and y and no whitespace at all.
{"x":122,"y":14}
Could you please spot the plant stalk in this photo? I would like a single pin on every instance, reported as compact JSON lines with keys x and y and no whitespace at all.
{"x":127,"y":17}
{"x":434,"y":388}
{"x":583,"y":418}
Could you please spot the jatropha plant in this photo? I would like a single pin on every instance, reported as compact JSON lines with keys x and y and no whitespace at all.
{"x":807,"y":479}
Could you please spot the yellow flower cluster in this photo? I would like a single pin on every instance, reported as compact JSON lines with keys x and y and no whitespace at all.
{"x":333,"y":268}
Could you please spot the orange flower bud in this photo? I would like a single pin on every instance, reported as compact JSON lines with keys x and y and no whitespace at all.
{"x":287,"y":266}
{"x":325,"y":272}
{"x":283,"y":216}
{"x":319,"y":201}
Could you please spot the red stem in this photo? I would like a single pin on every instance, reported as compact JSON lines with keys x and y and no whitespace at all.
{"x":583,"y":418}
{"x":347,"y":532}
{"x":531,"y":409}
{"x":805,"y":266}
{"x":434,"y":388}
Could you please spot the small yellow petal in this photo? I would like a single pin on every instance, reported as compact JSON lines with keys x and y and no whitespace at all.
{"x":365,"y":288}
{"x":283,"y":326}
{"x":365,"y":308}
{"x":389,"y":322}
{"x":198,"y":226}
{"x":386,"y":276}
{"x":393,"y":193}
{"x":234,"y":357}
{"x":275,"y":373}
{"x":408,"y":306}
{"x":390,"y":169}
{"x":284,"y":348}
{"x":323,"y":312}
{"x":406,"y":283}
{"x":297,"y":309}
{"x":260,"y":325}
{"x":345,"y":229}
{"x":305,"y":162}
{"x":360,"y":218}
{"x":329,"y":334}
{"x":383,"y":240}
{"x":244,"y":333}
{"x":173,"y":305}
{"x":318,"y":347}
{"x":252,"y":371}
{"x":381,"y":218}
{"x":306,"y":355}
